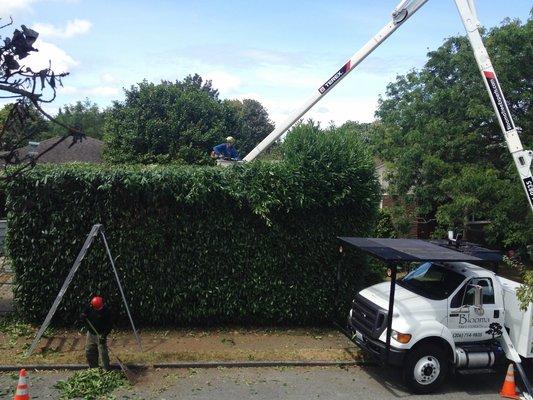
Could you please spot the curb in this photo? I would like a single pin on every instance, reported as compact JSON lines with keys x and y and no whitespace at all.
{"x":197,"y":364}
{"x":255,"y":364}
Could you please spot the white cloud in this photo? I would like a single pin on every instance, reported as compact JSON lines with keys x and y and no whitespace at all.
{"x":51,"y":108}
{"x":341,"y":109}
{"x":67,"y":89}
{"x":338,"y":109}
{"x":106,"y":77}
{"x":248,"y":95}
{"x":103,"y":91}
{"x":11,"y":7}
{"x":14,"y":7}
{"x":61,"y":61}
{"x":73,"y":28}
{"x":99,"y":91}
{"x":266,"y":56}
{"x":224,"y":81}
{"x":285,"y":76}
{"x":282,"y":90}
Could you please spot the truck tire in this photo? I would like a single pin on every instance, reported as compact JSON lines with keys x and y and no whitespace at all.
{"x":426,"y":368}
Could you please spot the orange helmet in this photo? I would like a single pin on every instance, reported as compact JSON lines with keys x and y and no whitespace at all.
{"x":97,"y":303}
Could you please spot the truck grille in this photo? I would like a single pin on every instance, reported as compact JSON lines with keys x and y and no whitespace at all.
{"x":367,"y":317}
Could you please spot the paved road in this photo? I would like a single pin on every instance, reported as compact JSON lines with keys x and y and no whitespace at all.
{"x":271,"y":383}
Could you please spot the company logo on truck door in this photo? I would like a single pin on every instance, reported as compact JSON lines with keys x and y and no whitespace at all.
{"x":496,"y":94}
{"x":331,"y":81}
{"x":465,"y":319}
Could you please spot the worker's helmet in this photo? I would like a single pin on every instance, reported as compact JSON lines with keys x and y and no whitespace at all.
{"x":230,"y":139}
{"x":97,"y":303}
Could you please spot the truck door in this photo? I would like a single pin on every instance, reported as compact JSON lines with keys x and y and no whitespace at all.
{"x":468,"y":324}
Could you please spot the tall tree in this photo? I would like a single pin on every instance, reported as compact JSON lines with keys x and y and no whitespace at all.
{"x":179,"y":121}
{"x":250,"y":121}
{"x":83,"y":115}
{"x":163,"y":122}
{"x":440,"y":137}
{"x":35,"y":127}
{"x":362,"y":129}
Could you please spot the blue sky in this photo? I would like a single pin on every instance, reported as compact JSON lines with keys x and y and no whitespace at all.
{"x":278,"y":52}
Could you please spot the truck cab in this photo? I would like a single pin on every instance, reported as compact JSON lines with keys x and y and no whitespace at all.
{"x":445,"y":315}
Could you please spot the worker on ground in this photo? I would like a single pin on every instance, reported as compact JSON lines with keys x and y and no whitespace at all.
{"x":97,"y":319}
{"x":226,"y":150}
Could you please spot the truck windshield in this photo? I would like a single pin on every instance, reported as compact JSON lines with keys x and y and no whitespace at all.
{"x":432,"y":281}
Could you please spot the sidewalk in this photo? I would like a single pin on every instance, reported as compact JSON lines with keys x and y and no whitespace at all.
{"x":6,"y":287}
{"x":159,"y":346}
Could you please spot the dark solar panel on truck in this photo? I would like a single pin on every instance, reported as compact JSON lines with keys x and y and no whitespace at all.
{"x":398,"y":250}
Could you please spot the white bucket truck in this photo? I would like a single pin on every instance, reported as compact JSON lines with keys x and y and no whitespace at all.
{"x":445,"y":313}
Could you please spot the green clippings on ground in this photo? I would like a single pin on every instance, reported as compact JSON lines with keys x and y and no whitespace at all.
{"x":15,"y":329}
{"x":91,"y":384}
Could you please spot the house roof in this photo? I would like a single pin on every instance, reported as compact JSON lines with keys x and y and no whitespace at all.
{"x":89,"y":150}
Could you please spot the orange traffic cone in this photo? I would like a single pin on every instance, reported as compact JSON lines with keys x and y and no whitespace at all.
{"x":509,"y":387}
{"x":22,"y":392}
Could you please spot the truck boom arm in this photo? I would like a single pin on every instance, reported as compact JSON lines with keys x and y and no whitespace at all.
{"x":401,"y":13}
{"x":522,"y":158}
{"x":404,"y":10}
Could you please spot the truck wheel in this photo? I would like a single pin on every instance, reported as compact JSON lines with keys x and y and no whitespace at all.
{"x":426,"y":368}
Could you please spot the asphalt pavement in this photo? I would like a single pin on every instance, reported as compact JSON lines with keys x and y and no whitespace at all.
{"x":270,"y":383}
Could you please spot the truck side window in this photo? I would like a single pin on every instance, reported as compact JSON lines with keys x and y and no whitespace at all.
{"x":488,"y":292}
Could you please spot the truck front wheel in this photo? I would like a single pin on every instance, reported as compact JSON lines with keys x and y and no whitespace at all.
{"x":426,"y":368}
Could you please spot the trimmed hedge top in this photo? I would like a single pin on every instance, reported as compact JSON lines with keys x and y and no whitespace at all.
{"x":255,"y":243}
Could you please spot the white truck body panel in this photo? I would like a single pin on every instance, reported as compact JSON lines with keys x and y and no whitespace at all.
{"x":519,"y":322}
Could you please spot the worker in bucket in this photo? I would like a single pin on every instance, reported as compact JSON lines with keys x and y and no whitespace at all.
{"x":226,"y":150}
{"x":97,"y":319}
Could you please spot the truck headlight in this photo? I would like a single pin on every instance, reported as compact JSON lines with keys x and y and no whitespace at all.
{"x":401,"y":337}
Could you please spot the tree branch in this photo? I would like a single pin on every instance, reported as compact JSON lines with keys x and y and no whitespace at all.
{"x":20,"y":92}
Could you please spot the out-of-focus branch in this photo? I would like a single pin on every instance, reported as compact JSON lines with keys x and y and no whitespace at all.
{"x":9,"y":23}
{"x":30,"y":89}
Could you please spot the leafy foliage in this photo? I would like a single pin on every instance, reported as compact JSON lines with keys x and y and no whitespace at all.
{"x":179,"y":121}
{"x":82,"y":115}
{"x":253,"y":244}
{"x":91,"y":384}
{"x":385,"y":225}
{"x":251,"y":123}
{"x":440,"y":136}
{"x":364,"y":130}
{"x":524,"y":292}
{"x":34,"y":128}
{"x":164,"y":122}
{"x":15,"y":329}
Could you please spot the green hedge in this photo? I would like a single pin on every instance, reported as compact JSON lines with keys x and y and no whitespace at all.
{"x":251,"y":244}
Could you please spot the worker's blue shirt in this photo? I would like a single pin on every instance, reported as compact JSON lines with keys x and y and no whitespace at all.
{"x":225,"y":151}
